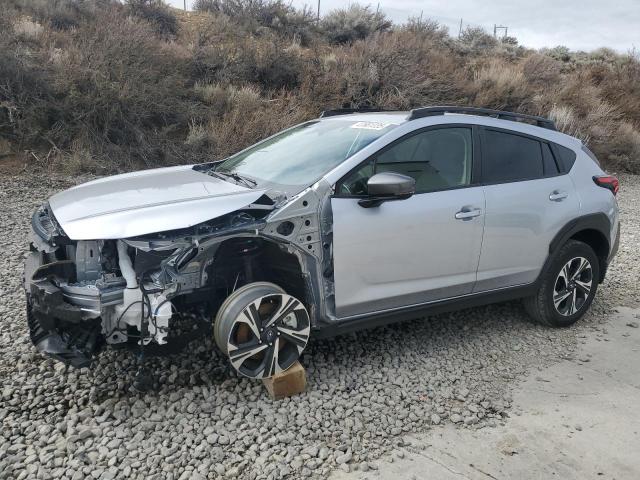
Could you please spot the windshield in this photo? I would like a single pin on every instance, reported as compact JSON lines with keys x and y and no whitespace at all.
{"x":303,"y":154}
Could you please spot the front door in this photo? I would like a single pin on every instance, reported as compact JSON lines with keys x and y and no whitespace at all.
{"x":413,"y":251}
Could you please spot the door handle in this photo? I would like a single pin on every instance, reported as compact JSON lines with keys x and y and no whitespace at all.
{"x":465,"y":214}
{"x":557,"y":196}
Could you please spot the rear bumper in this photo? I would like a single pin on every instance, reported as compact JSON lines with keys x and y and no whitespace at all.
{"x":612,"y":253}
{"x":616,"y":245}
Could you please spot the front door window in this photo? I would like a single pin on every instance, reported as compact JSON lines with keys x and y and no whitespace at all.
{"x":437,"y":159}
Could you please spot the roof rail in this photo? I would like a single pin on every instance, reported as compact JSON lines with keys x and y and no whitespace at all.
{"x":432,"y":111}
{"x":347,"y":111}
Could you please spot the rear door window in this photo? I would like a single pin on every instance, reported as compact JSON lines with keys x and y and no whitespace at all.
{"x":510,"y":157}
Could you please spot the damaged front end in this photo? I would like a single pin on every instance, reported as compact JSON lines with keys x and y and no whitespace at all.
{"x":64,"y":298}
{"x":84,"y":294}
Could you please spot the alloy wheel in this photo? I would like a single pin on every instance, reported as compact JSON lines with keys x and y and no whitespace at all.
{"x":572,"y":286}
{"x":263,"y":336}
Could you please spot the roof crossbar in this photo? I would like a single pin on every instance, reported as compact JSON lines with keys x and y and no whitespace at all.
{"x":516,"y":117}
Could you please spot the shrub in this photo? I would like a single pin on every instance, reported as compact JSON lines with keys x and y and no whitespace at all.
{"x":27,"y":28}
{"x":59,"y":14}
{"x":129,"y":89}
{"x":250,"y":119}
{"x":277,"y":67}
{"x":157,"y":14}
{"x":426,"y":28}
{"x":273,"y":14}
{"x":109,"y":90}
{"x":198,"y":136}
{"x":623,"y":150}
{"x":507,"y":40}
{"x":560,"y":53}
{"x":213,"y":94}
{"x":25,"y":89}
{"x":567,"y":122}
{"x":353,"y":23}
{"x":595,"y":126}
{"x":501,"y":85}
{"x":98,"y":85}
{"x":269,"y":63}
{"x":541,"y":70}
{"x":477,"y":40}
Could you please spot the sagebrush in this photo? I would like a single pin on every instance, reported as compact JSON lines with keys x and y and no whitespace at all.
{"x":103,"y":86}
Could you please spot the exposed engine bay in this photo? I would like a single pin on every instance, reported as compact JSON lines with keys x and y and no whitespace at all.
{"x":85,"y":294}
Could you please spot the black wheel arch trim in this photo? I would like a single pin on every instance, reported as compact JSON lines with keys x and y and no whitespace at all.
{"x":598,"y":222}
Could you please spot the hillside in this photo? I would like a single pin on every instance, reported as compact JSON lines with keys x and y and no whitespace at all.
{"x":97,"y":86}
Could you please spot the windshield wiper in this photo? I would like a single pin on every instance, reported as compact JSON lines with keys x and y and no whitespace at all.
{"x":248,"y":182}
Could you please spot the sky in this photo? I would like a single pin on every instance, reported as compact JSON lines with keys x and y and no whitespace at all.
{"x":577,"y":24}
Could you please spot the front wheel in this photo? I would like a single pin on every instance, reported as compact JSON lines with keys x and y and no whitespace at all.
{"x":262,"y":329}
{"x":567,"y":287}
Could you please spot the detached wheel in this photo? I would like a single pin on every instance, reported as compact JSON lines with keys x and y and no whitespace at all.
{"x":568,"y":286}
{"x":262,"y":329}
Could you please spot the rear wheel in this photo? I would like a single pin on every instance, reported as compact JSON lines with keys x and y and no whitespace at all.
{"x":568,"y":286}
{"x":262,"y":329}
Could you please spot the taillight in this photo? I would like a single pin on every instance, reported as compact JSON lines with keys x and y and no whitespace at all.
{"x":608,"y":182}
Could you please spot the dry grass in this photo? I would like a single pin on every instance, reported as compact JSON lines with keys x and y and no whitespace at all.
{"x":103,"y":86}
{"x":501,"y":85}
{"x":27,"y":28}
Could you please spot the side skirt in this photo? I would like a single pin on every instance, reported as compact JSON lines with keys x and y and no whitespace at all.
{"x":376,"y":319}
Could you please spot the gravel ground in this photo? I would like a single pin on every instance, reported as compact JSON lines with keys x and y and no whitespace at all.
{"x":365,"y":391}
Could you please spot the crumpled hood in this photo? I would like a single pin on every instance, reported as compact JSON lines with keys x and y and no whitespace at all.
{"x":145,"y":202}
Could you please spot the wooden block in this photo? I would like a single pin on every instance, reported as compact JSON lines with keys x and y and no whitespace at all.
{"x":286,"y":384}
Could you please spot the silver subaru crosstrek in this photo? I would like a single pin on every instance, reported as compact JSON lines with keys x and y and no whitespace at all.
{"x":348,"y":221}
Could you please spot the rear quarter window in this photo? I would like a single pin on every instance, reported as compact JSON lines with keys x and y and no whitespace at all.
{"x":565,"y":156}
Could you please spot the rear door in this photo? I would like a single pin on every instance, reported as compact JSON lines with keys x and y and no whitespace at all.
{"x":528,"y":200}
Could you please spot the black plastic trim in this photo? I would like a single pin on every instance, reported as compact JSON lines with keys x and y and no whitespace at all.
{"x":340,"y":327}
{"x":74,"y":347}
{"x":595,"y":221}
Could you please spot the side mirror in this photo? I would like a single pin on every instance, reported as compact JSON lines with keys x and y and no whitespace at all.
{"x":386,"y":186}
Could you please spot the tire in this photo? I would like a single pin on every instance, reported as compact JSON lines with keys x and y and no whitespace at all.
{"x":261,"y":329}
{"x":563,"y":297}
